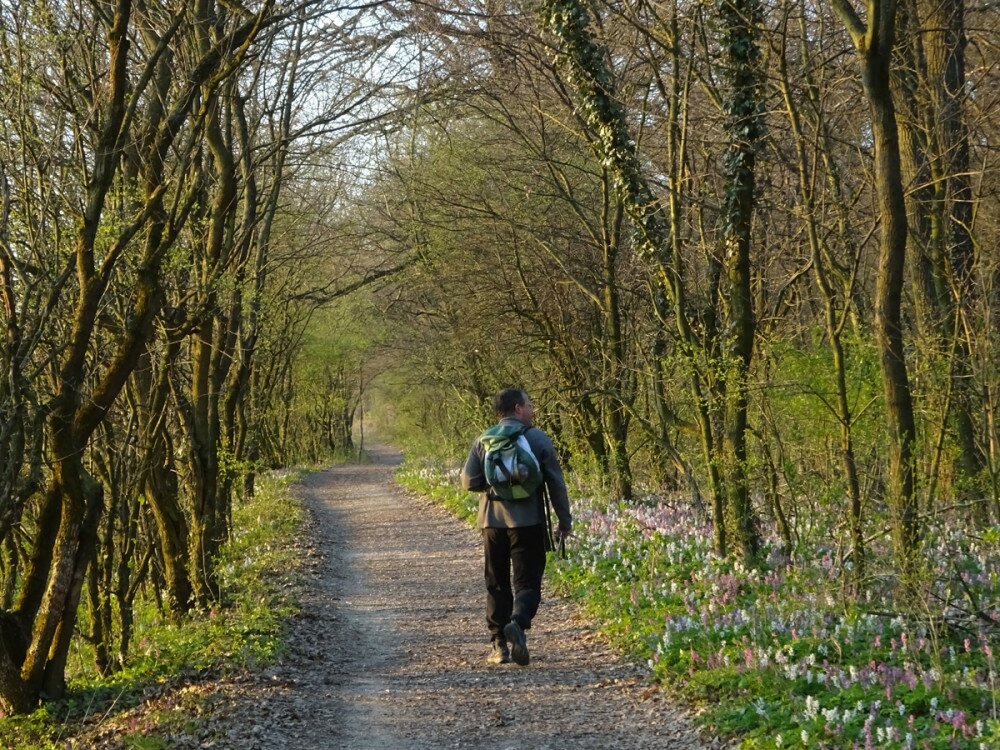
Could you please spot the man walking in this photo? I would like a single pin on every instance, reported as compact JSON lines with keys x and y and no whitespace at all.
{"x":513,"y":530}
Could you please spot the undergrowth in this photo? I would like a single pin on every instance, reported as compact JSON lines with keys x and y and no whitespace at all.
{"x":778,"y":656}
{"x":257,"y":573}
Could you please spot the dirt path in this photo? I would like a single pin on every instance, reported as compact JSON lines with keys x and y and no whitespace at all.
{"x":389,"y":650}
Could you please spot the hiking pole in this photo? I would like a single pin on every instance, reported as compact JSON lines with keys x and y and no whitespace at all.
{"x":543,"y":497}
{"x":548,"y":524}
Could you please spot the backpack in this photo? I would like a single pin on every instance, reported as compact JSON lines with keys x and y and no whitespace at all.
{"x":512,"y":472}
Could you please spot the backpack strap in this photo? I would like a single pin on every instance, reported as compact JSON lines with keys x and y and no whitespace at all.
{"x":506,"y":474}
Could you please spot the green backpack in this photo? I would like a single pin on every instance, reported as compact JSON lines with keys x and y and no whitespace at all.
{"x":511,"y":469}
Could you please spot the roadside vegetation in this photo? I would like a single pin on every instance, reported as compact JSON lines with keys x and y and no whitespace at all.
{"x":777,"y":656}
{"x":258,"y":575}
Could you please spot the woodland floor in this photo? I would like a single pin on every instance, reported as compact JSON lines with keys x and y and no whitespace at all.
{"x":388,"y":651}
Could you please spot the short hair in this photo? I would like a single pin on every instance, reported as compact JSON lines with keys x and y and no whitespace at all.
{"x":505,"y":401}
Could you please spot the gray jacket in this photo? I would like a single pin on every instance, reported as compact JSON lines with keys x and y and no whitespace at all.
{"x":511,"y":514}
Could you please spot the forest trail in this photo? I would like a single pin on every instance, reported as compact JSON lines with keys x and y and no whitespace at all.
{"x":389,"y":650}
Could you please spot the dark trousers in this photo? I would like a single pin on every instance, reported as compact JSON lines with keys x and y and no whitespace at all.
{"x":522,"y":551}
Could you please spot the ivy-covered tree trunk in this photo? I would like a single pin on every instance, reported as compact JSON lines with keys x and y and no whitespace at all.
{"x":740,"y":22}
{"x":583,"y":63}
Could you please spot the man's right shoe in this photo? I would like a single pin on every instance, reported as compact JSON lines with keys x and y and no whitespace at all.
{"x":514,"y":633}
{"x":499,"y":653}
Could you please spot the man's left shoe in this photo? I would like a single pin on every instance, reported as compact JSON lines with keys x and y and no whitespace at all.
{"x":514,"y":633}
{"x":499,"y":653}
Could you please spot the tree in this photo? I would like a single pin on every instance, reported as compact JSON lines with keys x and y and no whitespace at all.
{"x":874,"y":42}
{"x":103,"y":118}
{"x":583,"y":62}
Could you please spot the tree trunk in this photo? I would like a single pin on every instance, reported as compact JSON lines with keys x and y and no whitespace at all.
{"x":54,"y":675}
{"x":205,"y":417}
{"x":618,"y":376}
{"x":160,"y":478}
{"x":874,"y":44}
{"x":888,"y":318}
{"x":740,"y":20}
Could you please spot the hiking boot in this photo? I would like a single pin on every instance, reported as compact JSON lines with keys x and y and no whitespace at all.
{"x":514,"y":633}
{"x":499,"y":653}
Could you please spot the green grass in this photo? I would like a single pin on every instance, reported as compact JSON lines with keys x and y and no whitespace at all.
{"x":426,"y":480}
{"x":258,"y":570}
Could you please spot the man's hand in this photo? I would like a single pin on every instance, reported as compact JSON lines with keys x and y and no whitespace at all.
{"x":561,"y":533}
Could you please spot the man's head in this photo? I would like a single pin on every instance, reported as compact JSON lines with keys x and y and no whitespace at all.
{"x":514,"y":402}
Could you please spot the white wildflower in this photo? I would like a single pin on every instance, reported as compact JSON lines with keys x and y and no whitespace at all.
{"x":760,"y":706}
{"x":812,"y":707}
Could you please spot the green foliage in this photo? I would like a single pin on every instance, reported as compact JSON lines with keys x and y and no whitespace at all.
{"x":258,"y":571}
{"x":419,"y":420}
{"x":805,"y":397}
{"x":331,"y":373}
{"x":490,"y":295}
{"x":800,"y":409}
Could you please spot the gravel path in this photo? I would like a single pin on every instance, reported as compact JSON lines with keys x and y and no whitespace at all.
{"x":389,"y":650}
